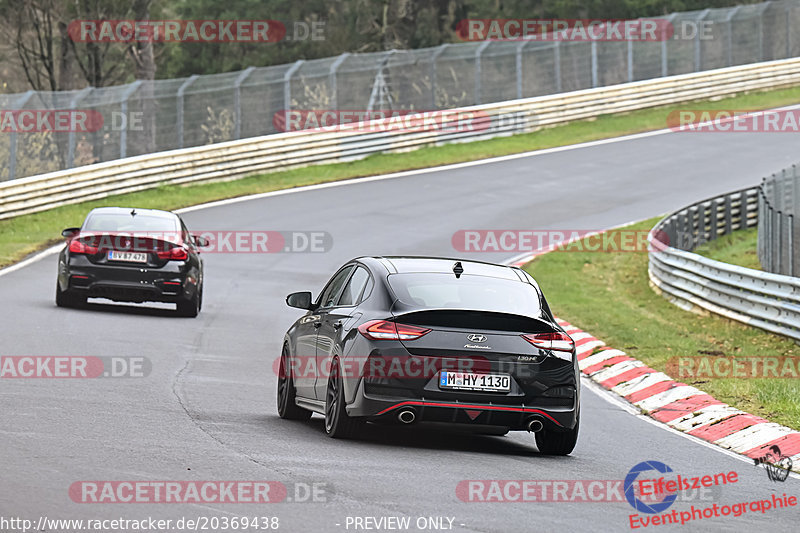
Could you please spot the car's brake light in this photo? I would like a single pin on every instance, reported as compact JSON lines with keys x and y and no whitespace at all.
{"x":554,"y":340}
{"x":177,"y":253}
{"x":383,"y":330}
{"x":77,"y":246}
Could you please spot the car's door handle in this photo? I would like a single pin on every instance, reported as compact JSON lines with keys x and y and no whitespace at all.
{"x":337,"y":325}
{"x":317,"y":324}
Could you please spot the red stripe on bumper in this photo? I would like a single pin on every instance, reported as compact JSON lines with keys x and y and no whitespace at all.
{"x":471,"y":406}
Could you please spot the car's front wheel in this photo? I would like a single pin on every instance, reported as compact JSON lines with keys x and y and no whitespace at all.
{"x":287,"y":408}
{"x":338,"y":424}
{"x":68,"y":299}
{"x":551,"y":442}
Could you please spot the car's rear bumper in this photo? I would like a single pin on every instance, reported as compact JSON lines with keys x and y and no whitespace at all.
{"x":126,"y":283}
{"x":558,"y":414}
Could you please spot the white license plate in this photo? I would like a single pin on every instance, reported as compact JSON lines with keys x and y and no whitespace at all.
{"x":132,"y":257}
{"x":470,"y":381}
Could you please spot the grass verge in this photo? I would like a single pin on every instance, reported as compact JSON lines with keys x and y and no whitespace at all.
{"x":23,"y":235}
{"x":737,"y":248}
{"x":608,"y":295}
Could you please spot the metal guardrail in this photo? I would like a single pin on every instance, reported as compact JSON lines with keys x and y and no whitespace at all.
{"x":778,"y":200}
{"x":237,"y":159}
{"x":761,"y":299}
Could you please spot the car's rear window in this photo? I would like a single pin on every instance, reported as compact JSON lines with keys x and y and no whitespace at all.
{"x":444,"y":291}
{"x":124,"y":222}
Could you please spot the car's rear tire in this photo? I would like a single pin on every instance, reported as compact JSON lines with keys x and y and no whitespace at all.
{"x":190,"y":308}
{"x":68,"y":299}
{"x":338,"y":424}
{"x":551,"y":442}
{"x":287,"y":408}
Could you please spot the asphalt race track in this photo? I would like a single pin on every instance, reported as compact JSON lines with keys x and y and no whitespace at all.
{"x":207,"y":410}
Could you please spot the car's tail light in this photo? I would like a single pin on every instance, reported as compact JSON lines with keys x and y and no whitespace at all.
{"x":383,"y":330}
{"x":77,"y":246}
{"x":555,"y":340}
{"x":178,"y":253}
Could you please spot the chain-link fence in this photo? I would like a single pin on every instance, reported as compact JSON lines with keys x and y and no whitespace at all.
{"x":149,"y":116}
{"x":778,"y":223}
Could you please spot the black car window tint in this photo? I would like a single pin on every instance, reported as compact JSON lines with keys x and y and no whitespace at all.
{"x":334,"y":287}
{"x":354,"y":286}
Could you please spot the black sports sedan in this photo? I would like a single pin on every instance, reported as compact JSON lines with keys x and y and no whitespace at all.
{"x":131,"y":255}
{"x":409,"y":340}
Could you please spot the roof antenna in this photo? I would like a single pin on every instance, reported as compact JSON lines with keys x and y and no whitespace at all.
{"x":133,"y":212}
{"x":458,"y":269}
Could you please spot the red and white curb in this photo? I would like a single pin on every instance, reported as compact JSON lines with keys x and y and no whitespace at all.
{"x":678,"y":405}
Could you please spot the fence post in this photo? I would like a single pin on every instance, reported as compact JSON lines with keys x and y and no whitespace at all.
{"x":764,"y":7}
{"x":519,"y":49}
{"x":729,"y":23}
{"x":664,"y":52}
{"x":287,"y":85}
{"x":594,"y":63}
{"x":434,"y":72}
{"x":630,"y":60}
{"x":478,"y":53}
{"x":12,"y":140}
{"x":333,"y":82}
{"x":788,"y":30}
{"x":557,"y":63}
{"x":83,"y":93}
{"x":698,"y":45}
{"x":123,"y":134}
{"x":791,"y":271}
{"x":237,"y":101}
{"x":179,"y":97}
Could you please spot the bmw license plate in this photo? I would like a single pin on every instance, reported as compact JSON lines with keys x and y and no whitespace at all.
{"x":479,"y":382}
{"x":132,"y":257}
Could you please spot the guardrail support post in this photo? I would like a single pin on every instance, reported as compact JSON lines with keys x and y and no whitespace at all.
{"x":478,"y":73}
{"x":12,"y":140}
{"x":179,"y":97}
{"x":237,"y":101}
{"x":123,"y":134}
{"x":287,"y":85}
{"x":83,"y":93}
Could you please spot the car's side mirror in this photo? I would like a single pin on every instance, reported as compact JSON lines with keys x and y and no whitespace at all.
{"x":202,"y":242}
{"x":301,"y":300}
{"x":70,"y":232}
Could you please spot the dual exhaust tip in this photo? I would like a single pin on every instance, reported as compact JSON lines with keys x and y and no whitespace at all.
{"x":408,"y":416}
{"x":535,"y":425}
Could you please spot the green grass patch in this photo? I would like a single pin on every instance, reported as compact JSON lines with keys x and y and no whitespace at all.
{"x":23,"y":235}
{"x":608,"y":294}
{"x":737,"y":248}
